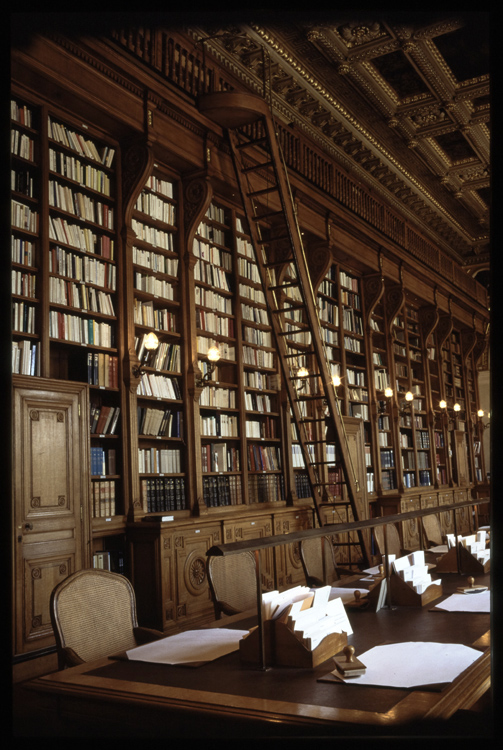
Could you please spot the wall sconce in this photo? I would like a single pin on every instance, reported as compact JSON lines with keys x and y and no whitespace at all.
{"x":404,"y":405}
{"x":456,"y":408}
{"x":383,"y":408}
{"x":213,"y":356}
{"x":151,"y":343}
{"x":302,"y":375}
{"x":480,"y":414}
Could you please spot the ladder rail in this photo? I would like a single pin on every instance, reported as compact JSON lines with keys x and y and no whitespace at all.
{"x":295,"y":260}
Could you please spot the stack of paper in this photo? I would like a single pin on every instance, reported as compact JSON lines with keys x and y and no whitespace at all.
{"x":474,"y":543}
{"x":414,"y":571}
{"x":309,"y":613}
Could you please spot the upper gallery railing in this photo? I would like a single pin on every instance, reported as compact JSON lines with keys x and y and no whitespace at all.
{"x":189,"y":70}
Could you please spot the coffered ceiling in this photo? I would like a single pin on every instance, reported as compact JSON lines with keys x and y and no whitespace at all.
{"x":401,"y":100}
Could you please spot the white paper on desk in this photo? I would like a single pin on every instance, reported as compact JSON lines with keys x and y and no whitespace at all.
{"x":412,"y":664}
{"x":467,"y":602}
{"x":188,"y":647}
{"x":440,"y":549}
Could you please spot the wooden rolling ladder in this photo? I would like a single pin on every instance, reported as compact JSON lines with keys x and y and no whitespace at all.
{"x":282,"y":265}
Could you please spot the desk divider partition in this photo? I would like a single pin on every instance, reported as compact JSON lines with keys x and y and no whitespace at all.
{"x":276,"y":540}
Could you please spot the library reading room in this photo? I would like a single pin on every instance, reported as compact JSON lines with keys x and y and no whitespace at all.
{"x":249,"y":366}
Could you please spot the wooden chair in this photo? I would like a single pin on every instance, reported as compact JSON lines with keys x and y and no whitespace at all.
{"x":233,"y":583}
{"x":432,"y":531}
{"x":93,"y":613}
{"x":393,"y":540}
{"x":318,"y":560}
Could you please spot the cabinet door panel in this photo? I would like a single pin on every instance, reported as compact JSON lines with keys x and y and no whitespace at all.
{"x":50,"y":487}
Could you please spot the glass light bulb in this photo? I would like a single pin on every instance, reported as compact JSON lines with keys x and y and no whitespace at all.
{"x":151,"y":341}
{"x":480,"y":413}
{"x":388,"y":392}
{"x":213,"y":354}
{"x":302,"y":372}
{"x":456,"y":407}
{"x":336,"y":381}
{"x":443,"y":404}
{"x":409,"y":396}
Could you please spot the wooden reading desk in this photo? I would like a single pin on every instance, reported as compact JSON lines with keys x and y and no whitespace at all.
{"x":225,"y":698}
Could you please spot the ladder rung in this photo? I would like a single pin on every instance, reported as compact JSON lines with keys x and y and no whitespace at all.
{"x":274,"y":239}
{"x":299,"y":306}
{"x":254,"y":167}
{"x":274,"y":263}
{"x":298,"y":354}
{"x":262,"y":191}
{"x":288,"y":285}
{"x":268,"y":215}
{"x":254,"y":142}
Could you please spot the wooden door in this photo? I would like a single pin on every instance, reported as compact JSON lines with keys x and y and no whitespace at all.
{"x":50,"y":496}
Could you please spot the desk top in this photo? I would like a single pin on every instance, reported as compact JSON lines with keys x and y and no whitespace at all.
{"x":294,"y":697}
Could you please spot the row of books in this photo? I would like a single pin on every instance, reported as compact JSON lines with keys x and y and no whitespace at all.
{"x":103,"y":461}
{"x":23,"y":317}
{"x":22,"y":181}
{"x":259,"y":337}
{"x":77,"y":142}
{"x":264,"y":458}
{"x":212,"y":275}
{"x":21,"y":113}
{"x":23,"y":217}
{"x":22,"y":145}
{"x":258,"y":357}
{"x":211,"y":254}
{"x":328,"y":312}
{"x":152,"y":235}
{"x":159,"y":460}
{"x":80,"y":330}
{"x":254,"y":314}
{"x":214,"y":323}
{"x":159,"y":386}
{"x":102,"y":369}
{"x":22,"y":251}
{"x":248,"y":269}
{"x":109,"y":560}
{"x":81,"y":237}
{"x":266,"y":489}
{"x":219,"y":425}
{"x":79,"y":295}
{"x":155,"y":286}
{"x":103,"y":498}
{"x":222,"y":491}
{"x":158,"y":185}
{"x":156,"y":208}
{"x":23,"y":284}
{"x":302,"y":485}
{"x":82,"y":268}
{"x":25,"y":358}
{"x":160,"y":422}
{"x":166,"y":357}
{"x":258,"y":402}
{"x":163,"y":494}
{"x":212,"y":300}
{"x":156,"y":262}
{"x":265,"y":428}
{"x":252,"y":293}
{"x":145,"y":313}
{"x":424,"y":478}
{"x":388,"y":480}
{"x":217,"y":457}
{"x":85,"y":174}
{"x":103,"y":419}
{"x":80,"y":204}
{"x":221,"y":398}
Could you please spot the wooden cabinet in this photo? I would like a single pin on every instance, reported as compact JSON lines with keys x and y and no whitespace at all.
{"x":51,"y":491}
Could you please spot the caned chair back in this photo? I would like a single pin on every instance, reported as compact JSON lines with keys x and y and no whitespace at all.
{"x":318,"y":560}
{"x":233,"y":583}
{"x":393,"y":540}
{"x":432,"y":530}
{"x":93,"y":612}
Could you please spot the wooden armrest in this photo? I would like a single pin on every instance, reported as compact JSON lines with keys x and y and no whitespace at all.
{"x":145,"y":635}
{"x":69,"y":658}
